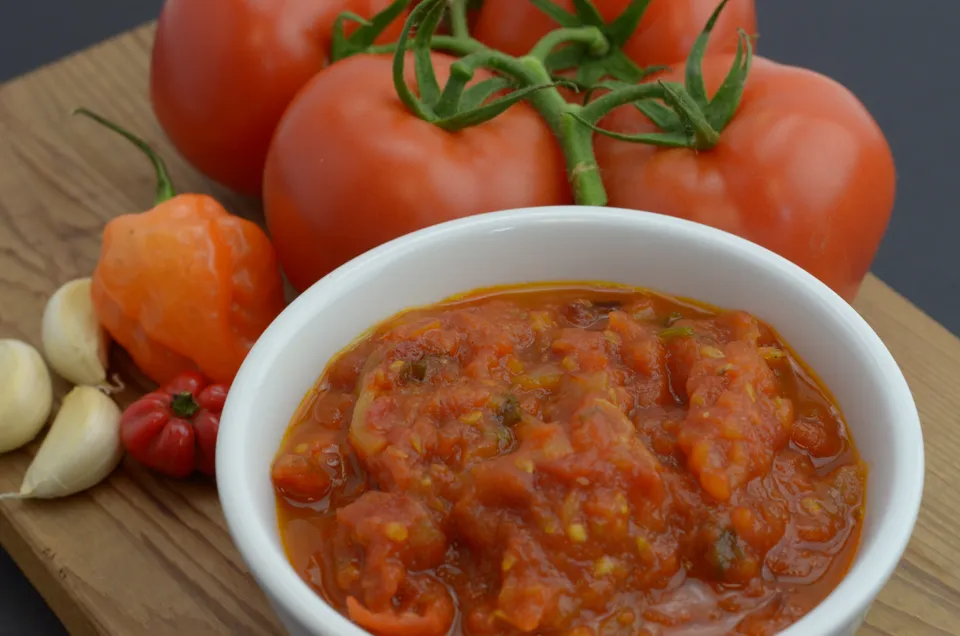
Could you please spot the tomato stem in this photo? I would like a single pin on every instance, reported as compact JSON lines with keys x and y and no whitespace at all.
{"x":367,"y":33}
{"x":702,"y":134}
{"x":531,"y":80}
{"x":694,"y":70}
{"x":690,"y":118}
{"x":598,"y":108}
{"x":458,"y":19}
{"x":678,"y":134}
{"x":590,"y":36}
{"x":686,"y":117}
{"x":623,"y":27}
{"x":582,"y":168}
{"x":446,"y":43}
{"x":165,"y":190}
{"x":575,"y":140}
{"x":416,"y":20}
{"x":690,"y":130}
{"x":459,"y":107}
{"x":455,"y":107}
{"x":550,"y":104}
{"x":591,"y":64}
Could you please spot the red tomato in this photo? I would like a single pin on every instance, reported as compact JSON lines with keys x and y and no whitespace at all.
{"x":350,"y":167}
{"x":223,"y":71}
{"x":664,"y":36}
{"x":802,"y":169}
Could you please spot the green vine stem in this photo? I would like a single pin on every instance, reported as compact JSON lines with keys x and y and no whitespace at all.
{"x":446,"y":43}
{"x":459,"y":43}
{"x":530,"y":72}
{"x":592,"y":64}
{"x":592,"y":37}
{"x":455,"y":107}
{"x":458,"y":19}
{"x":683,"y":113}
{"x":576,"y":141}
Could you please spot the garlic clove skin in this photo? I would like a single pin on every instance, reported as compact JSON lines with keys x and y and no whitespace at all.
{"x":26,"y":394}
{"x":81,"y":449}
{"x":74,"y":343}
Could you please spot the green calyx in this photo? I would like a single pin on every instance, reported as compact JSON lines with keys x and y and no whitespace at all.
{"x":585,"y":47}
{"x":360,"y":41}
{"x":593,"y":65}
{"x":454,"y":106}
{"x":684,"y":114}
{"x":165,"y":190}
{"x":184,"y":405}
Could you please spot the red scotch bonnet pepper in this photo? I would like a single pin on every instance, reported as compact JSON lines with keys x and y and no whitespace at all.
{"x":173,"y":430}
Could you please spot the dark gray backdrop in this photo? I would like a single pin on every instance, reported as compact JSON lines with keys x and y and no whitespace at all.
{"x":900,"y":58}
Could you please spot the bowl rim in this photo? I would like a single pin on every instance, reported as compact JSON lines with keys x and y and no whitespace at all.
{"x":846,"y":603}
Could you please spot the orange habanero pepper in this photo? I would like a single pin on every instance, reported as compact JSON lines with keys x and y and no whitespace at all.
{"x":185,"y":285}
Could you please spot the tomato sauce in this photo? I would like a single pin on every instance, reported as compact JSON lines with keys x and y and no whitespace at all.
{"x":581,"y":461}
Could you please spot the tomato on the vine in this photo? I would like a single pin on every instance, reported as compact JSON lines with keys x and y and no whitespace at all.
{"x":350,"y":167}
{"x":664,"y":36}
{"x":223,"y":71}
{"x":802,"y":169}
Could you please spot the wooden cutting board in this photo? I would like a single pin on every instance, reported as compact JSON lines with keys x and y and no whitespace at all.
{"x":142,"y":555}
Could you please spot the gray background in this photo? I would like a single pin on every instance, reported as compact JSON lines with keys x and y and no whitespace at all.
{"x":900,"y":58}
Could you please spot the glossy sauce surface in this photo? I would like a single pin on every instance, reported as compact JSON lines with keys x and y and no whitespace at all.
{"x":578,"y":461}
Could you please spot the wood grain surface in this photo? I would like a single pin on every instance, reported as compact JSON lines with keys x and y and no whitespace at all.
{"x":142,"y":555}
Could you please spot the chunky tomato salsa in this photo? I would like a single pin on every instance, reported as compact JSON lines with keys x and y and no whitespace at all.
{"x":578,"y":461}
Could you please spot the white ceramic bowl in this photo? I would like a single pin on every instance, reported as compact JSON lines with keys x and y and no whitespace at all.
{"x":566,"y":244}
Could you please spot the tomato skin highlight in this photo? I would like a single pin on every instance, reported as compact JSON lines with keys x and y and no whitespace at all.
{"x":665,"y":34}
{"x":223,"y":71}
{"x":802,"y":169}
{"x":351,"y":168}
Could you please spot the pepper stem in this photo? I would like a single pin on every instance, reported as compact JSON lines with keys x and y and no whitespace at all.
{"x":184,"y":405}
{"x":165,"y":190}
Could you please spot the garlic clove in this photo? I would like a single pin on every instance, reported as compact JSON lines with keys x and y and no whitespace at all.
{"x":74,"y":343}
{"x":81,"y":449}
{"x":26,"y":394}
